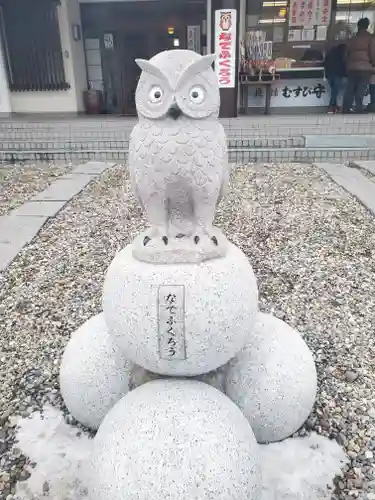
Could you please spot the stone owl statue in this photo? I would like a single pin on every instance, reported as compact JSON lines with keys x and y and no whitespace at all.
{"x":178,"y":157}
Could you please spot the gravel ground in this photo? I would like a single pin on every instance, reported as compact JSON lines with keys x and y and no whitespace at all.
{"x":20,"y":182}
{"x":312,"y":249}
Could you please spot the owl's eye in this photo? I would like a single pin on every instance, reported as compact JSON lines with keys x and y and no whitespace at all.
{"x":156,"y":94}
{"x":197,"y":95}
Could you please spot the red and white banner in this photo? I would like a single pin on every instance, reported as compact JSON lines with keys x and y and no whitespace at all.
{"x":323,"y":12}
{"x":294,"y":13}
{"x":310,"y":16}
{"x":226,"y":47}
{"x":303,"y":13}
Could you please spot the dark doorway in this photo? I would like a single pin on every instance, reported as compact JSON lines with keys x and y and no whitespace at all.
{"x":133,"y":47}
{"x":140,"y":30}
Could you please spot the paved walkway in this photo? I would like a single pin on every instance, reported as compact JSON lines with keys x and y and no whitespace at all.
{"x":19,"y":227}
{"x":23,"y":223}
{"x":354,"y":181}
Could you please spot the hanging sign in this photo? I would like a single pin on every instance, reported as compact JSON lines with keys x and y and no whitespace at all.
{"x":108,"y":41}
{"x":310,"y":14}
{"x":323,"y":12}
{"x":225,"y":47}
{"x":194,"y":38}
{"x":302,"y":11}
{"x":293,"y":13}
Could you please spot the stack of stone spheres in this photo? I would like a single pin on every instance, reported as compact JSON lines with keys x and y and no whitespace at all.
{"x":181,"y":374}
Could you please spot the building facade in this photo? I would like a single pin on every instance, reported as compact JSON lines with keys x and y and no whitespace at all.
{"x":53,"y":51}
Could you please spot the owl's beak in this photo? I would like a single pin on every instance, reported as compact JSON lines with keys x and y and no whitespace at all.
{"x":174,"y":111}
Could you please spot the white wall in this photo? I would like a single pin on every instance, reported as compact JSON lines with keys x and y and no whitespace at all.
{"x":5,"y":107}
{"x":77,"y":54}
{"x":63,"y":101}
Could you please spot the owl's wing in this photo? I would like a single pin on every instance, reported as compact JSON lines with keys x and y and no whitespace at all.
{"x":136,"y":193}
{"x":222,"y":139}
{"x":132,"y":162}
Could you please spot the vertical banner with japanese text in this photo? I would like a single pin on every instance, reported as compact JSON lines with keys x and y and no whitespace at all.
{"x":323,"y":12}
{"x":226,"y":47}
{"x":310,"y":15}
{"x":294,"y":13}
{"x":303,"y":13}
{"x":194,"y":38}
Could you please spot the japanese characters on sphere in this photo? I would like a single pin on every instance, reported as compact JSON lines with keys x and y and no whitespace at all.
{"x":171,"y":322}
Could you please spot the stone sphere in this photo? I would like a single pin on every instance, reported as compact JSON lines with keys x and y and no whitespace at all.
{"x":94,"y":375}
{"x":175,"y":439}
{"x":180,"y":319}
{"x":273,"y":380}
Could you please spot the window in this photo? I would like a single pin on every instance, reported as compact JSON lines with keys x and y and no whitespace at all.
{"x":270,"y":16}
{"x":348,"y":13}
{"x":32,"y":46}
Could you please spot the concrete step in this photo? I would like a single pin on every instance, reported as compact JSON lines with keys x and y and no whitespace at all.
{"x":112,"y":128}
{"x":271,"y":130}
{"x":340,"y":141}
{"x":303,"y":154}
{"x":93,"y":144}
{"x":238,"y":155}
{"x":98,"y":134}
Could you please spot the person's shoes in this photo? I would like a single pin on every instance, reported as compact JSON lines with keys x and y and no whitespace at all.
{"x":331,"y":110}
{"x":337,"y":109}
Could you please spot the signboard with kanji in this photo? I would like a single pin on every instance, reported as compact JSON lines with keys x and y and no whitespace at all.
{"x":310,"y":14}
{"x":323,"y":12}
{"x":293,"y":13}
{"x":293,"y":93}
{"x":194,"y":38}
{"x":225,"y":47}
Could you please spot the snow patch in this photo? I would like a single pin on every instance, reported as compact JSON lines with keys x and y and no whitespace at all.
{"x":301,"y":468}
{"x":295,"y":469}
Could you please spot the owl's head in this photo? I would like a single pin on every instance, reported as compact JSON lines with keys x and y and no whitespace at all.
{"x":177,"y":83}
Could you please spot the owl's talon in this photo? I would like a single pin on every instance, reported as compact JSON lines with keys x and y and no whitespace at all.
{"x":214,"y":240}
{"x":146,"y":240}
{"x":165,"y":239}
{"x":180,"y":236}
{"x":196,"y":240}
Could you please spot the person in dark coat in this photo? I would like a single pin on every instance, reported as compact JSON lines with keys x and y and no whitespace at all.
{"x":335,"y":69}
{"x":360,"y":65}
